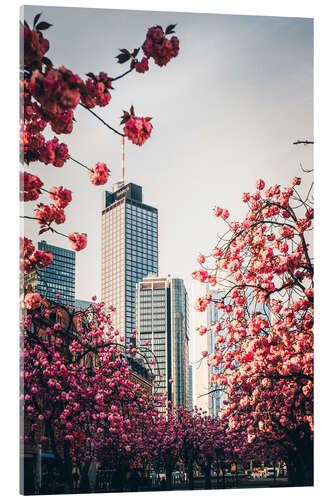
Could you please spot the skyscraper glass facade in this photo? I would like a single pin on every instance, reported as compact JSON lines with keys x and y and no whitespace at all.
{"x":162,"y":320}
{"x":59,"y":277}
{"x":153,"y":325}
{"x":129,"y":251}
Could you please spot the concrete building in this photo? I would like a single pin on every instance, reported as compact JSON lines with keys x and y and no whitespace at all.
{"x":162,"y":320}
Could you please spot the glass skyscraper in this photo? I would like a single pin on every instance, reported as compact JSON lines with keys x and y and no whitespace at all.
{"x":162,"y":320}
{"x":59,"y":277}
{"x":129,"y":250}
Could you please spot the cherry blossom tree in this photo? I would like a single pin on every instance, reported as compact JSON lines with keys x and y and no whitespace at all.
{"x":263,"y":271}
{"x":77,"y":386}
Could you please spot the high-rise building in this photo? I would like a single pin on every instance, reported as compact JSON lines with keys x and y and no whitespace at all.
{"x":208,"y":396}
{"x":59,"y":277}
{"x":215,"y":396}
{"x":162,"y":320}
{"x":129,"y":250}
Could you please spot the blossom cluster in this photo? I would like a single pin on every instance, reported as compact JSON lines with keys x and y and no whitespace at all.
{"x":31,"y":258}
{"x":35,"y":46}
{"x":30,"y":186}
{"x":78,"y":241}
{"x":62,"y":197}
{"x":142,"y":66}
{"x":48,"y":152}
{"x":96,"y":90}
{"x":138,"y":130}
{"x":46,"y":214}
{"x":160,"y":48}
{"x":99,"y":174}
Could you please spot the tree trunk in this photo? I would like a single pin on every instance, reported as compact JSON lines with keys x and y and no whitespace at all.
{"x":300,"y":465}
{"x":208,"y":481}
{"x":168,"y":473}
{"x":84,"y":481}
{"x":118,"y":479}
{"x":68,"y":469}
{"x":189,"y":470}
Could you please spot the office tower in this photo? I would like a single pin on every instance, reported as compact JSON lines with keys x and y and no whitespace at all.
{"x":205,"y":397}
{"x":214,"y":398}
{"x":213,"y":401}
{"x":129,"y":250}
{"x":162,"y":320}
{"x":59,"y":277}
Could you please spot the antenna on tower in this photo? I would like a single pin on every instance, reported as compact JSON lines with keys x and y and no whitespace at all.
{"x":123,"y":156}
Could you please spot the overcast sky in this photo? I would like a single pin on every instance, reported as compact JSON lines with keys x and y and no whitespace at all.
{"x":225,"y":112}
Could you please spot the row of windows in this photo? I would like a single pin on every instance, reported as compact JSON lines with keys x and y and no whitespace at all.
{"x":139,"y":239}
{"x":148,"y":313}
{"x":56,"y":250}
{"x":146,"y":232}
{"x":139,"y":210}
{"x":133,"y":251}
{"x":56,"y":286}
{"x":141,"y":219}
{"x":148,"y":307}
{"x":64,"y":270}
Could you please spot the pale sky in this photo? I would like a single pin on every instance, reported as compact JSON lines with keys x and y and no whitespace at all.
{"x":225,"y":112}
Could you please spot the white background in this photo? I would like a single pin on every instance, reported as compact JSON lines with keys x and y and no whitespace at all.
{"x":323,"y":235}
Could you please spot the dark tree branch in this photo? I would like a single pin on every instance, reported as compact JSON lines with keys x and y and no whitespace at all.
{"x":101,"y":120}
